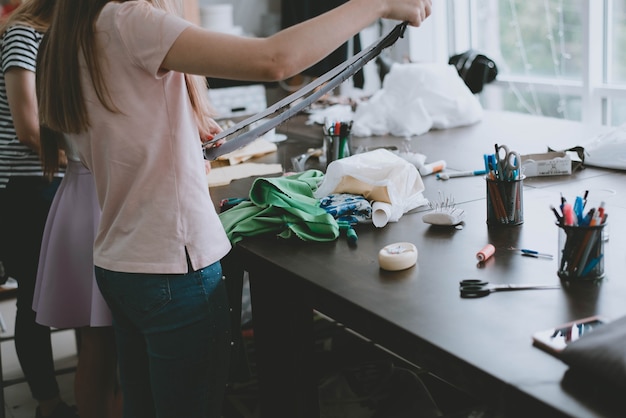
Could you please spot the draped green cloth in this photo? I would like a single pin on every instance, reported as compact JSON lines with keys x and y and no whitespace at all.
{"x":282,"y":206}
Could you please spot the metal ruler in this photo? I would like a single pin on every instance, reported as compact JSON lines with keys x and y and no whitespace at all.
{"x":242,"y":134}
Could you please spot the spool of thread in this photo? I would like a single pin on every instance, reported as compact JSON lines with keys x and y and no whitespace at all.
{"x":487,"y":251}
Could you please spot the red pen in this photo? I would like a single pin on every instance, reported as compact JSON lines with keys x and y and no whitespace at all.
{"x":601,"y":212}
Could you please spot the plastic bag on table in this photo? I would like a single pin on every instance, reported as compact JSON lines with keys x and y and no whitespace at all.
{"x":608,"y":149}
{"x":378,"y":175}
{"x":416,"y":98}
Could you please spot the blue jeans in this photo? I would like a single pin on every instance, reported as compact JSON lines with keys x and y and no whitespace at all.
{"x":173,"y":341}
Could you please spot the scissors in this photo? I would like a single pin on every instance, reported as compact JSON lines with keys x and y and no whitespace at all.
{"x":509,"y":163}
{"x":474,"y":288}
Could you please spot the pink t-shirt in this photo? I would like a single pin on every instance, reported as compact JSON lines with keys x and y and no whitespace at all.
{"x":147,"y":159}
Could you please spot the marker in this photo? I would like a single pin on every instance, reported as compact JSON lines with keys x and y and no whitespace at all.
{"x":351,"y":235}
{"x":231,"y":202}
{"x":568,"y":214}
{"x":435,"y":167}
{"x":446,"y":176}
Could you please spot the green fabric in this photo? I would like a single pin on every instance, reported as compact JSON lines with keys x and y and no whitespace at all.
{"x":282,"y":206}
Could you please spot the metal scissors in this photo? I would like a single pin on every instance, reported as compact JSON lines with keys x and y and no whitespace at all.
{"x":509,"y":163}
{"x":474,"y":288}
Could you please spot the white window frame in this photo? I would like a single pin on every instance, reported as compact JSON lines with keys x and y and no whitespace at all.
{"x":450,"y":31}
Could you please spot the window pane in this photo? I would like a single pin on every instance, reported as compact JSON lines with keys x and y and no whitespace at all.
{"x":531,"y":38}
{"x":618,"y":112}
{"x":617,"y":73}
{"x":526,"y":100}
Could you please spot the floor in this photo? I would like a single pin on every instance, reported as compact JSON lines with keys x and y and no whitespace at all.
{"x":359,"y":381}
{"x":18,"y":401}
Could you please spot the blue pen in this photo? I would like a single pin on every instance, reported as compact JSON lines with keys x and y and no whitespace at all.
{"x":531,"y":253}
{"x":591,"y":265}
{"x":588,"y":217}
{"x":578,"y":209}
{"x":446,"y":176}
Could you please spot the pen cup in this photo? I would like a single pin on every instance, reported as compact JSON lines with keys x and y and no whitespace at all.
{"x":336,"y":147}
{"x":337,"y":138}
{"x":581,"y":252}
{"x":505,"y":204}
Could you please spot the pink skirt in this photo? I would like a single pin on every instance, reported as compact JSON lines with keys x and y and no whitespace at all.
{"x":66,"y":292}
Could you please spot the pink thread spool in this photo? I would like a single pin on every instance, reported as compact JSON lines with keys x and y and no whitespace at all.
{"x":487,"y":251}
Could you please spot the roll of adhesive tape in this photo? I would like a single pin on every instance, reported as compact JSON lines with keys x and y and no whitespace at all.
{"x":487,"y":251}
{"x":398,"y":256}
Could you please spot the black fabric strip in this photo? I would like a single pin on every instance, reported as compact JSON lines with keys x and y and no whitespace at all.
{"x":241,"y":134}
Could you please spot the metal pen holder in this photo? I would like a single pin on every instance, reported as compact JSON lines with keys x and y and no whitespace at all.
{"x":505,"y":203}
{"x":337,"y":141}
{"x":581,"y":252}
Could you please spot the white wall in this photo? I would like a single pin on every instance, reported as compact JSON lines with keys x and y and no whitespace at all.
{"x":424,"y":44}
{"x":256,"y":17}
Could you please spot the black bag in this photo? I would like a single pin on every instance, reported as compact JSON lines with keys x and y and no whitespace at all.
{"x":475,"y":69}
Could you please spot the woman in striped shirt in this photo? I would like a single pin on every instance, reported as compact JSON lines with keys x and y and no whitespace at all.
{"x":25,"y":195}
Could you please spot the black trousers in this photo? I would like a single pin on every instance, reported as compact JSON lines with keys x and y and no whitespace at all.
{"x":24,"y":208}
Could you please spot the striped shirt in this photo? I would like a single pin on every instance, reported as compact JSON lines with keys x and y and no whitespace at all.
{"x":18,"y":48}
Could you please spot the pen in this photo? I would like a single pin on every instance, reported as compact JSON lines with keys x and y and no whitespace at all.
{"x":446,"y":176}
{"x":231,"y":202}
{"x":591,"y":265}
{"x":556,"y":213}
{"x":531,"y":253}
{"x":536,"y":254}
{"x":351,"y":235}
{"x":578,"y":209}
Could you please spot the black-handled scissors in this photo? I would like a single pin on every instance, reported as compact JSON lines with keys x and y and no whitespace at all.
{"x":474,"y":288}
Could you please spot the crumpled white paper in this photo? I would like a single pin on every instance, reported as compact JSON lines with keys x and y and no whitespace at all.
{"x":417,"y":97}
{"x":607,"y":149}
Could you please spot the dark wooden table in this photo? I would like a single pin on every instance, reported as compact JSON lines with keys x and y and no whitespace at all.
{"x":480,"y":345}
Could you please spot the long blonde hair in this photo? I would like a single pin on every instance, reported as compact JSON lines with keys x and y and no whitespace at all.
{"x":61,"y":103}
{"x":34,"y":13}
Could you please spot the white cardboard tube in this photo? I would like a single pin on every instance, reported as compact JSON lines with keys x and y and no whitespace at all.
{"x":381,"y":212}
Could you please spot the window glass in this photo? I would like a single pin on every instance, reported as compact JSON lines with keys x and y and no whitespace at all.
{"x":617,"y":59}
{"x":531,"y":38}
{"x":618,"y":112}
{"x":528,"y":100}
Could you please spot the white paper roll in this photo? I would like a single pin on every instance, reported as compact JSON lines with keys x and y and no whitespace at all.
{"x":381,"y":212}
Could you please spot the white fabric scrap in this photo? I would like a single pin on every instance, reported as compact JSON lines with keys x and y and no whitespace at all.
{"x":607,"y":149}
{"x":331,"y":113}
{"x":415,"y":98}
